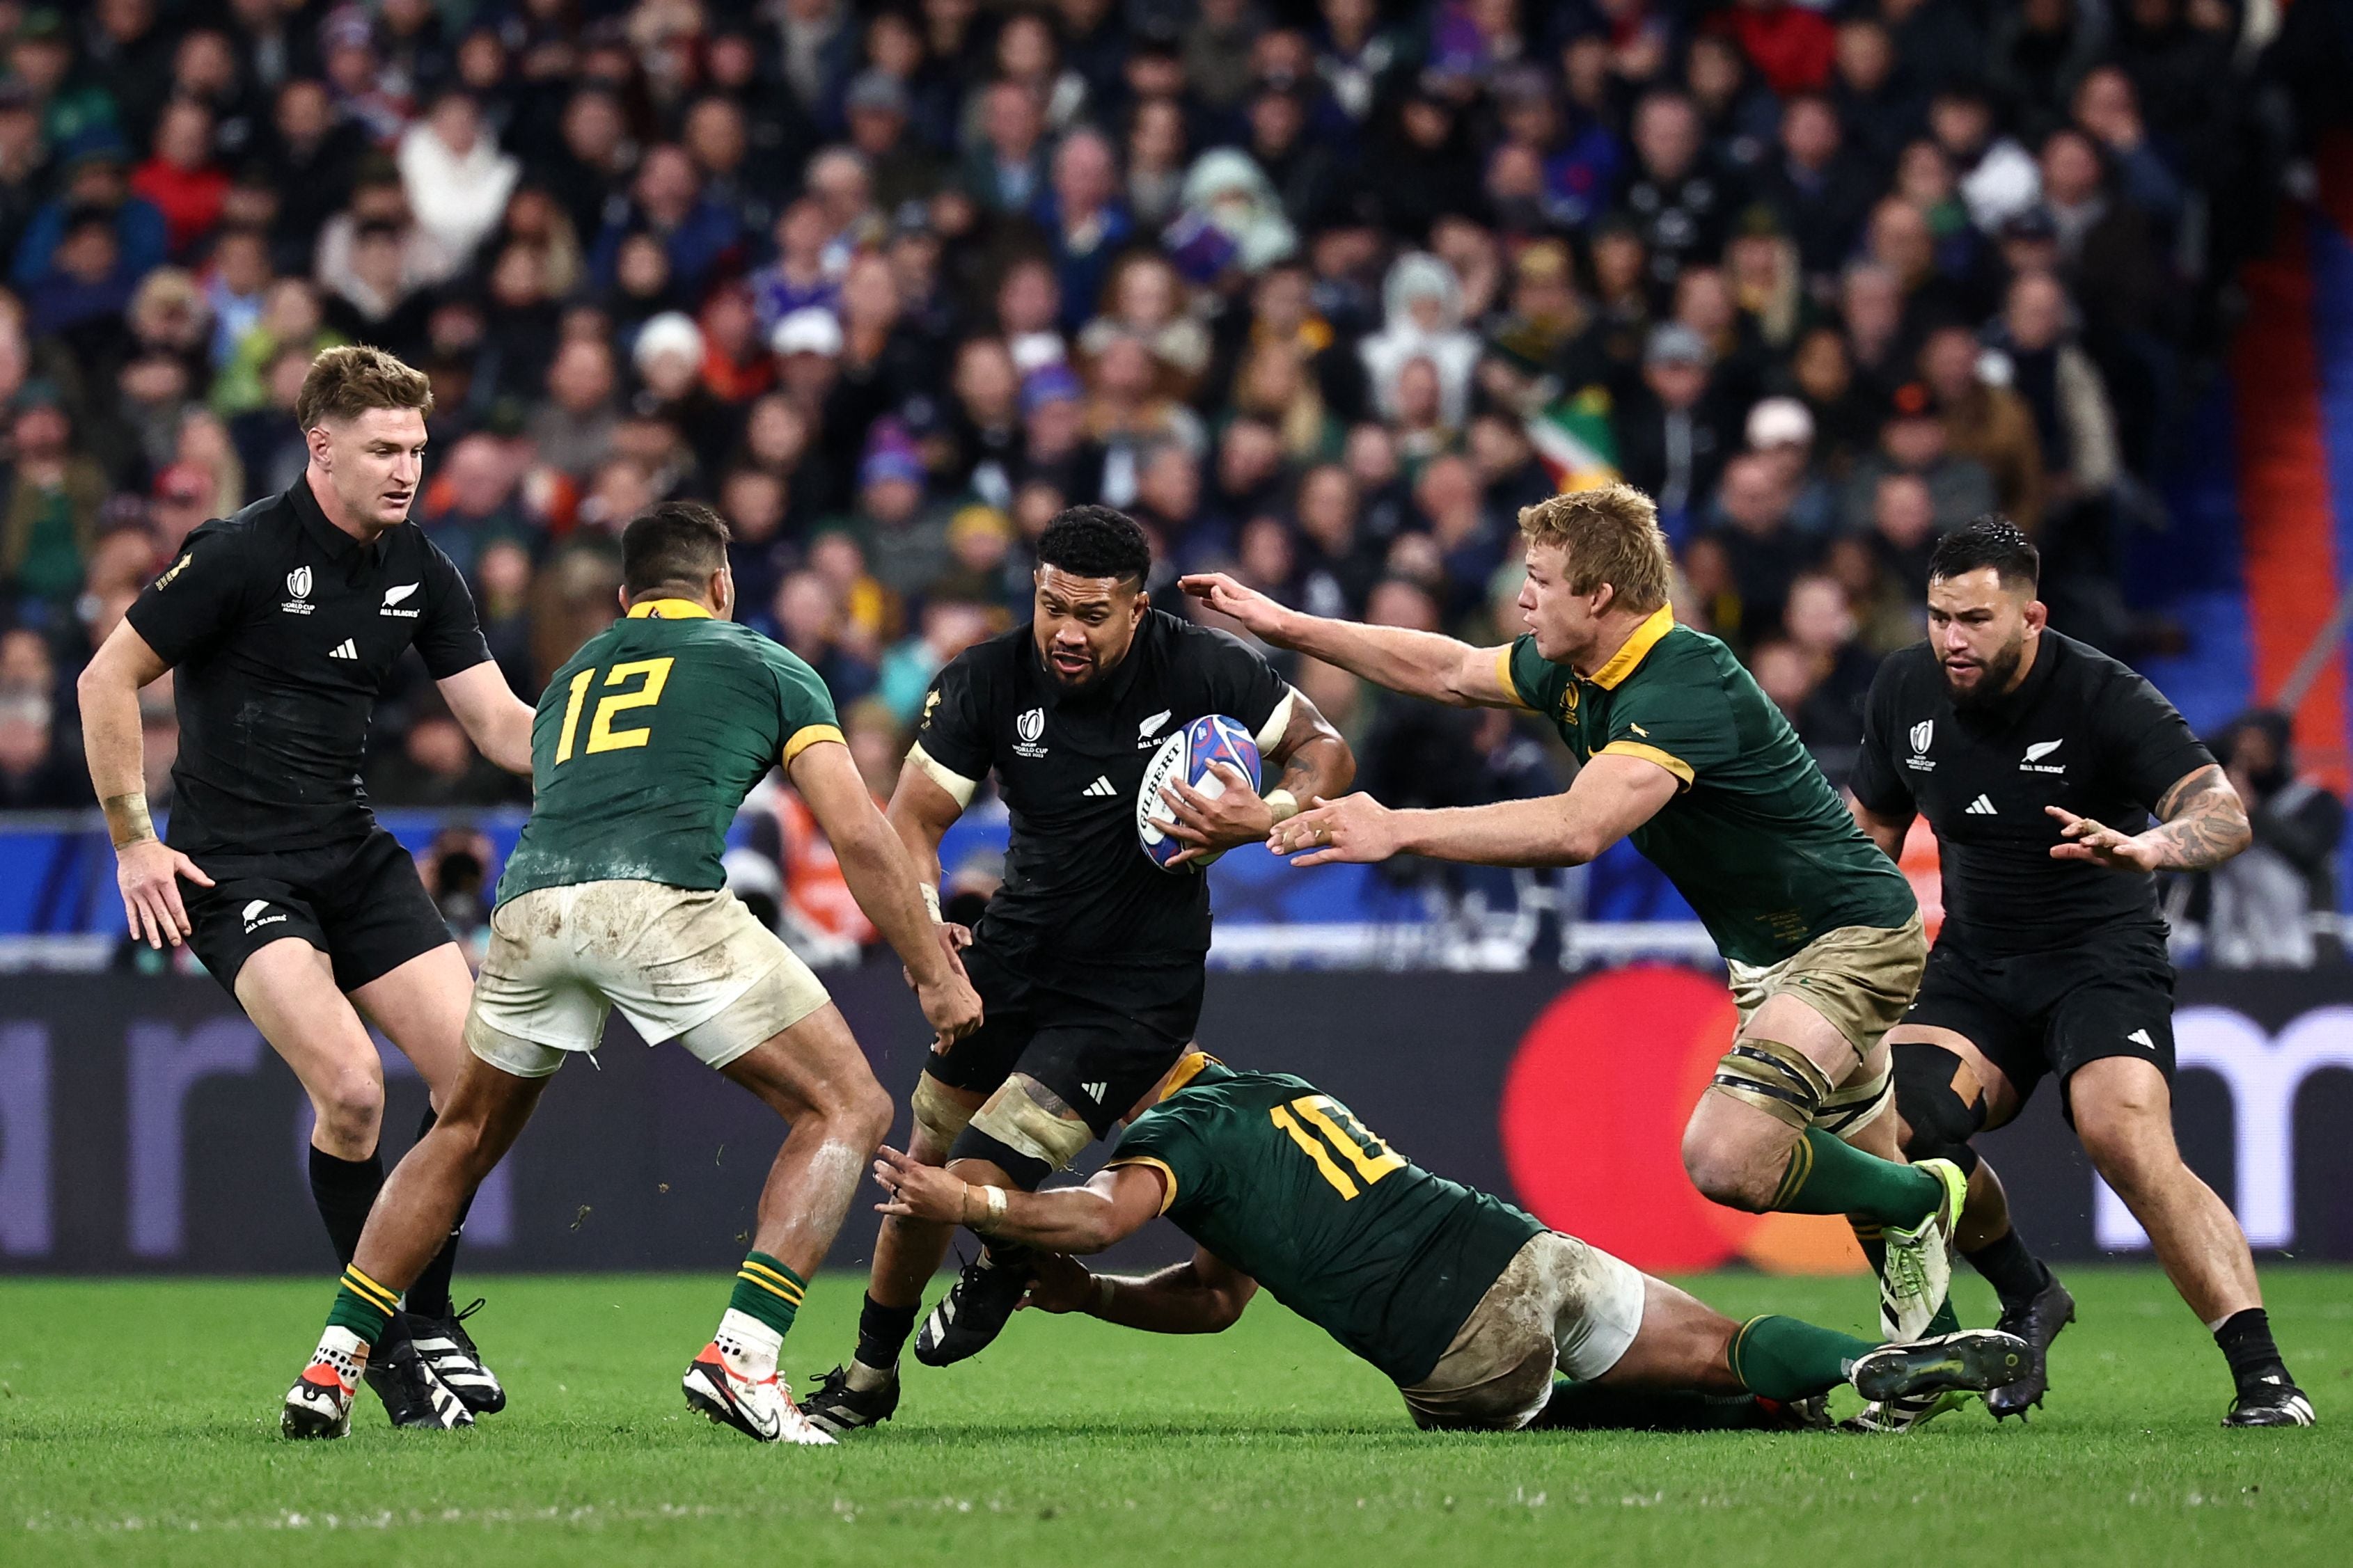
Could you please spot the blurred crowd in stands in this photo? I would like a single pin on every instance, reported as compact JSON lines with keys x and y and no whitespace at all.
{"x":1321,"y":291}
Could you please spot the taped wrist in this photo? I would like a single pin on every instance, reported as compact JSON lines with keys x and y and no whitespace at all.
{"x":1282,"y":804}
{"x":127,"y":820}
{"x":1941,"y":1122}
{"x":1778,"y":1079}
{"x":930,"y":899}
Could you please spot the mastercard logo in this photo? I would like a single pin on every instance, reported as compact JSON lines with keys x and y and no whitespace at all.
{"x":1592,"y":1126}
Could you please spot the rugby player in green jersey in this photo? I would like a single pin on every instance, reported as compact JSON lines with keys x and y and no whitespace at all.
{"x":1680,"y":751}
{"x":644,"y":745}
{"x":1467,"y":1304}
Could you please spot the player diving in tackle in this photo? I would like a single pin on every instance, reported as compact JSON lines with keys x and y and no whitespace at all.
{"x":644,"y":745}
{"x":1680,"y":751}
{"x":1469,"y":1305}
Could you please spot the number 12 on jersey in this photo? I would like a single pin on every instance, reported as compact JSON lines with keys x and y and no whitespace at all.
{"x":1371,"y":1158}
{"x":602,"y":736}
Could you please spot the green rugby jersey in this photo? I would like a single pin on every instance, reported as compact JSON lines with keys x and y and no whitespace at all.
{"x":1756,"y":841}
{"x":1284,"y":1183}
{"x":648,"y":740}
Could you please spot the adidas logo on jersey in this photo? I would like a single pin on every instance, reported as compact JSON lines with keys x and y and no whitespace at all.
{"x":1101,"y":786}
{"x":1095,"y":1091}
{"x":2140,"y":1038}
{"x":344,"y":650}
{"x":1981,"y":806}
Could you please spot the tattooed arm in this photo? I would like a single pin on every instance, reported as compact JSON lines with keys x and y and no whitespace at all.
{"x":2201,"y":823}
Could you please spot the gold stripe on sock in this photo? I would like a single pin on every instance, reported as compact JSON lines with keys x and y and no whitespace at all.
{"x":1793,"y":1180}
{"x":1732,"y":1350}
{"x":786,"y":1283}
{"x":771,"y":1289}
{"x":368,"y":1290}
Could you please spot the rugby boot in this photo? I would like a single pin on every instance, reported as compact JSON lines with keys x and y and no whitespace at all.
{"x":319,"y":1402}
{"x":759,"y":1407}
{"x":834,"y":1406}
{"x":2037,"y":1321}
{"x":450,"y":1351}
{"x":1971,"y":1360}
{"x":2274,"y":1401}
{"x":976,"y":1307}
{"x":1904,"y":1414}
{"x":412,"y":1391}
{"x":1918,"y":1273}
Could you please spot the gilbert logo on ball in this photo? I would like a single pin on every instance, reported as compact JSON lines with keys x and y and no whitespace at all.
{"x":1188,"y":754}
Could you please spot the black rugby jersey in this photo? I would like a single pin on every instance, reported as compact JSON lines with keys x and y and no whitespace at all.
{"x":2082,"y":731}
{"x":281,"y":629}
{"x":1080,"y":894}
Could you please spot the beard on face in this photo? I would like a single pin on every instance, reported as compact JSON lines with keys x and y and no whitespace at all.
{"x":1993,"y":677}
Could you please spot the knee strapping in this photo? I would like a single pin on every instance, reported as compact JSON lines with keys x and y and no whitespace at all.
{"x":938,"y":1111}
{"x":1778,"y":1079}
{"x":1941,"y":1122}
{"x":1025,"y":1117}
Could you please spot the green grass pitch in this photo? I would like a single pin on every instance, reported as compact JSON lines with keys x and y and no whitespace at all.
{"x":138,"y":1424}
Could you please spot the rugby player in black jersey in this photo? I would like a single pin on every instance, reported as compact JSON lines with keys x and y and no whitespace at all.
{"x":1089,"y":961}
{"x":2058,"y":780}
{"x":280,"y":626}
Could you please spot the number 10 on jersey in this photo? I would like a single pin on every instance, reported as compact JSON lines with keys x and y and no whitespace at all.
{"x":602,"y":736}
{"x":1371,"y":1158}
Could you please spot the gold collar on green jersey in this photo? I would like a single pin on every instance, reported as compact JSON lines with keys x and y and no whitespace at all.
{"x":669,"y":610}
{"x":1189,"y":1067}
{"x":1631,"y":652}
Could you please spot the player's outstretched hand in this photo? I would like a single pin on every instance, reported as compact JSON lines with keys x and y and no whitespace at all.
{"x":2080,"y":839}
{"x":1354,"y":827}
{"x":148,"y":872}
{"x":1259,"y":615}
{"x":917,"y":1190}
{"x":1213,"y":826}
{"x":952,"y":1007}
{"x":1062,"y":1284}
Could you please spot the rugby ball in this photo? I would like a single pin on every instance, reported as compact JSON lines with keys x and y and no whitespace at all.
{"x":1187,"y":754}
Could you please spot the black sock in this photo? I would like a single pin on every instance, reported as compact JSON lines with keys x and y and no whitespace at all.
{"x":429,"y":1296}
{"x":2246,"y":1342}
{"x":2015,"y":1274}
{"x":883,"y":1332}
{"x":344,"y":1191}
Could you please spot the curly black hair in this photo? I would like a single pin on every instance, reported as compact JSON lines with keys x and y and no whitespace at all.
{"x":1095,"y":542}
{"x":1991,"y":539}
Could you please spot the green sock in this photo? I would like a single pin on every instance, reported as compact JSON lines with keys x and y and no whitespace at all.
{"x":1828,"y":1175}
{"x":767,"y":1290}
{"x":362,"y":1306}
{"x":1782,"y":1357}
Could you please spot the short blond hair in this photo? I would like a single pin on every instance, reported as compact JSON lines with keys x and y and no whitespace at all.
{"x":1613,"y":535}
{"x":344,"y":382}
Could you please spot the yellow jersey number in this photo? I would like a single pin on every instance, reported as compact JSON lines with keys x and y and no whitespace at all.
{"x":651,"y":673}
{"x":1369,"y":1157}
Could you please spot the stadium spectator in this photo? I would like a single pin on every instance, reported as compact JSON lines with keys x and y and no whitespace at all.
{"x":1324,"y":294}
{"x":2259,"y":905}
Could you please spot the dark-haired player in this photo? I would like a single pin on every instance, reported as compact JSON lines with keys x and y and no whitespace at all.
{"x":1090,"y":959}
{"x":1468,"y":1305}
{"x":2040,"y":764}
{"x":280,"y":626}
{"x":645,"y":743}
